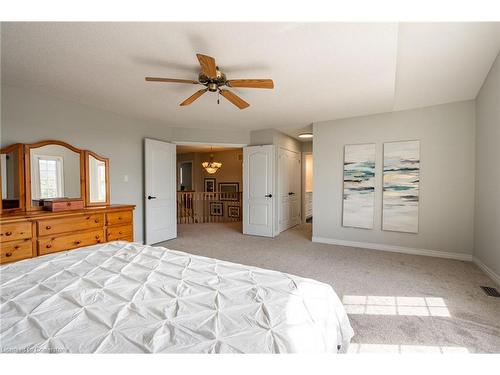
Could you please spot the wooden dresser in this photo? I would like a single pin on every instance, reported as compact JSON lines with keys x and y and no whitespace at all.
{"x":32,"y":233}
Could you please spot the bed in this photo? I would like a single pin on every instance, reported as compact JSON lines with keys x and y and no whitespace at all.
{"x":123,"y":297}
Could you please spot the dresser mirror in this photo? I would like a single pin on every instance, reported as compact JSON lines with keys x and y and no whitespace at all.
{"x":97,"y":178}
{"x":12,"y":178}
{"x":55,"y":170}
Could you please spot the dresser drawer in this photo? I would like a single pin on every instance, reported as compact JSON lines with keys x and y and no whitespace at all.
{"x":121,"y":232}
{"x":70,"y":224}
{"x":15,"y":231}
{"x":117,"y":218}
{"x":15,"y":250}
{"x":69,"y":241}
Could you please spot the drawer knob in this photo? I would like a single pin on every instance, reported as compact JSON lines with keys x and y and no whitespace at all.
{"x":48,"y":246}
{"x":8,"y":255}
{"x":16,"y":247}
{"x":119,"y":217}
{"x":8,"y":233}
{"x":68,"y":204}
{"x":48,"y":227}
{"x":97,"y":237}
{"x":120,"y":232}
{"x":78,"y":242}
{"x":96,"y":220}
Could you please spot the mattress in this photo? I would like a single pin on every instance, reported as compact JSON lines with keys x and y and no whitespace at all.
{"x":123,"y":297}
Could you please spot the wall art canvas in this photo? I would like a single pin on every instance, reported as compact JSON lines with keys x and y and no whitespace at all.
{"x":359,"y":186}
{"x":401,"y":186}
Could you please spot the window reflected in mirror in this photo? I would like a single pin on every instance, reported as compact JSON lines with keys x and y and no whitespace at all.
{"x":55,"y":173}
{"x":9,"y":167}
{"x":97,"y":180}
{"x":50,"y":185}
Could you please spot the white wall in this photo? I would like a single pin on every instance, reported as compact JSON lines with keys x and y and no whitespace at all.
{"x":31,"y":116}
{"x":487,"y":213}
{"x":446,"y":134}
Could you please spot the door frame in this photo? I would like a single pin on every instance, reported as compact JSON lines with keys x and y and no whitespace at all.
{"x":304,"y":154}
{"x":178,"y":163}
{"x":192,"y":143}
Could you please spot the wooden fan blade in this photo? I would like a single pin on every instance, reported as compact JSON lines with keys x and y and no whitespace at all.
{"x":251,"y":83}
{"x":235,"y":99}
{"x":193,"y":97}
{"x":207,"y":64}
{"x":173,"y":80}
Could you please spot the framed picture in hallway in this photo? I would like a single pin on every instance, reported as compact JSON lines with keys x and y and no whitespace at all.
{"x":233,"y":211}
{"x":216,"y":209}
{"x":229,"y":191}
{"x":209,"y":185}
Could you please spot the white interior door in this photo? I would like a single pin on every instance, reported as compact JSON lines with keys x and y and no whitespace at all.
{"x":160,"y":191}
{"x":295,"y":188}
{"x":258,"y":183}
{"x":289,"y":176}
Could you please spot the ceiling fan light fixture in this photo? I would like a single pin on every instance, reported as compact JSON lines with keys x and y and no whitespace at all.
{"x":307,"y":135}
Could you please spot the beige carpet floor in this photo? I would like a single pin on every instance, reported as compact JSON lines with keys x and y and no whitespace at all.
{"x":396,"y":302}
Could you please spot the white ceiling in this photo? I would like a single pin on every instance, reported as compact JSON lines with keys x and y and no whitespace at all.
{"x":322,"y":71}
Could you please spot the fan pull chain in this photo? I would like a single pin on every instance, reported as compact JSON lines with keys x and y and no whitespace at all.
{"x":218,"y":96}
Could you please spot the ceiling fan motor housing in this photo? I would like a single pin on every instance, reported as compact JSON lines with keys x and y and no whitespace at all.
{"x":213,"y":83}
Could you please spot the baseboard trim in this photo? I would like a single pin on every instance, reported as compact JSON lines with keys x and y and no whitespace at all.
{"x":395,"y":249}
{"x":487,"y":270}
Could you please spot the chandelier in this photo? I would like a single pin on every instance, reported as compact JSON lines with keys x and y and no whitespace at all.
{"x":211,"y":166}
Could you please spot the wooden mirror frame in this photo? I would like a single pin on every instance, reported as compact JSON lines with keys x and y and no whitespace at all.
{"x":20,"y":167}
{"x":27,"y":169}
{"x":87,"y":179}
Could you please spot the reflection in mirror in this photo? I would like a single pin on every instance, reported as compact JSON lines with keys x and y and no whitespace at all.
{"x":55,"y":173}
{"x":9,"y":166}
{"x":97,"y":180}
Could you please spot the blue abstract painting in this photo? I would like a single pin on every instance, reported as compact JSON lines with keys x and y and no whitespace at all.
{"x":401,"y":186}
{"x":359,"y":186}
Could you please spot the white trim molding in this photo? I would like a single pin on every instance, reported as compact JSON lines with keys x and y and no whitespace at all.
{"x":487,"y":270}
{"x":395,"y":249}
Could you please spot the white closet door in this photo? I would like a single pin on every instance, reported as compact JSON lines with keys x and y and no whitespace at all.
{"x":295,"y":188}
{"x":289,"y":175}
{"x":284,"y":189}
{"x":258,"y":182}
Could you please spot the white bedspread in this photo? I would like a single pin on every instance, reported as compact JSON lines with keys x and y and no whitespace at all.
{"x":125,"y":297}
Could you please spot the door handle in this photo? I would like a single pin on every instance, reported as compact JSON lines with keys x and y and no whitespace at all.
{"x":150,"y":197}
{"x":269,"y":196}
{"x":291,"y":193}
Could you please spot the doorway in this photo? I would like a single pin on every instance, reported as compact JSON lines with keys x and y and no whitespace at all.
{"x":307,"y":198}
{"x":209,"y":184}
{"x":249,"y":189}
{"x":185,"y":176}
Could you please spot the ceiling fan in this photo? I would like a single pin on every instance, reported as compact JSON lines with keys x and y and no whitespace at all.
{"x":213,"y":79}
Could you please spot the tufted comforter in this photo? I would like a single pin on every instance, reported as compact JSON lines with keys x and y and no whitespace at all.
{"x":125,"y":297}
